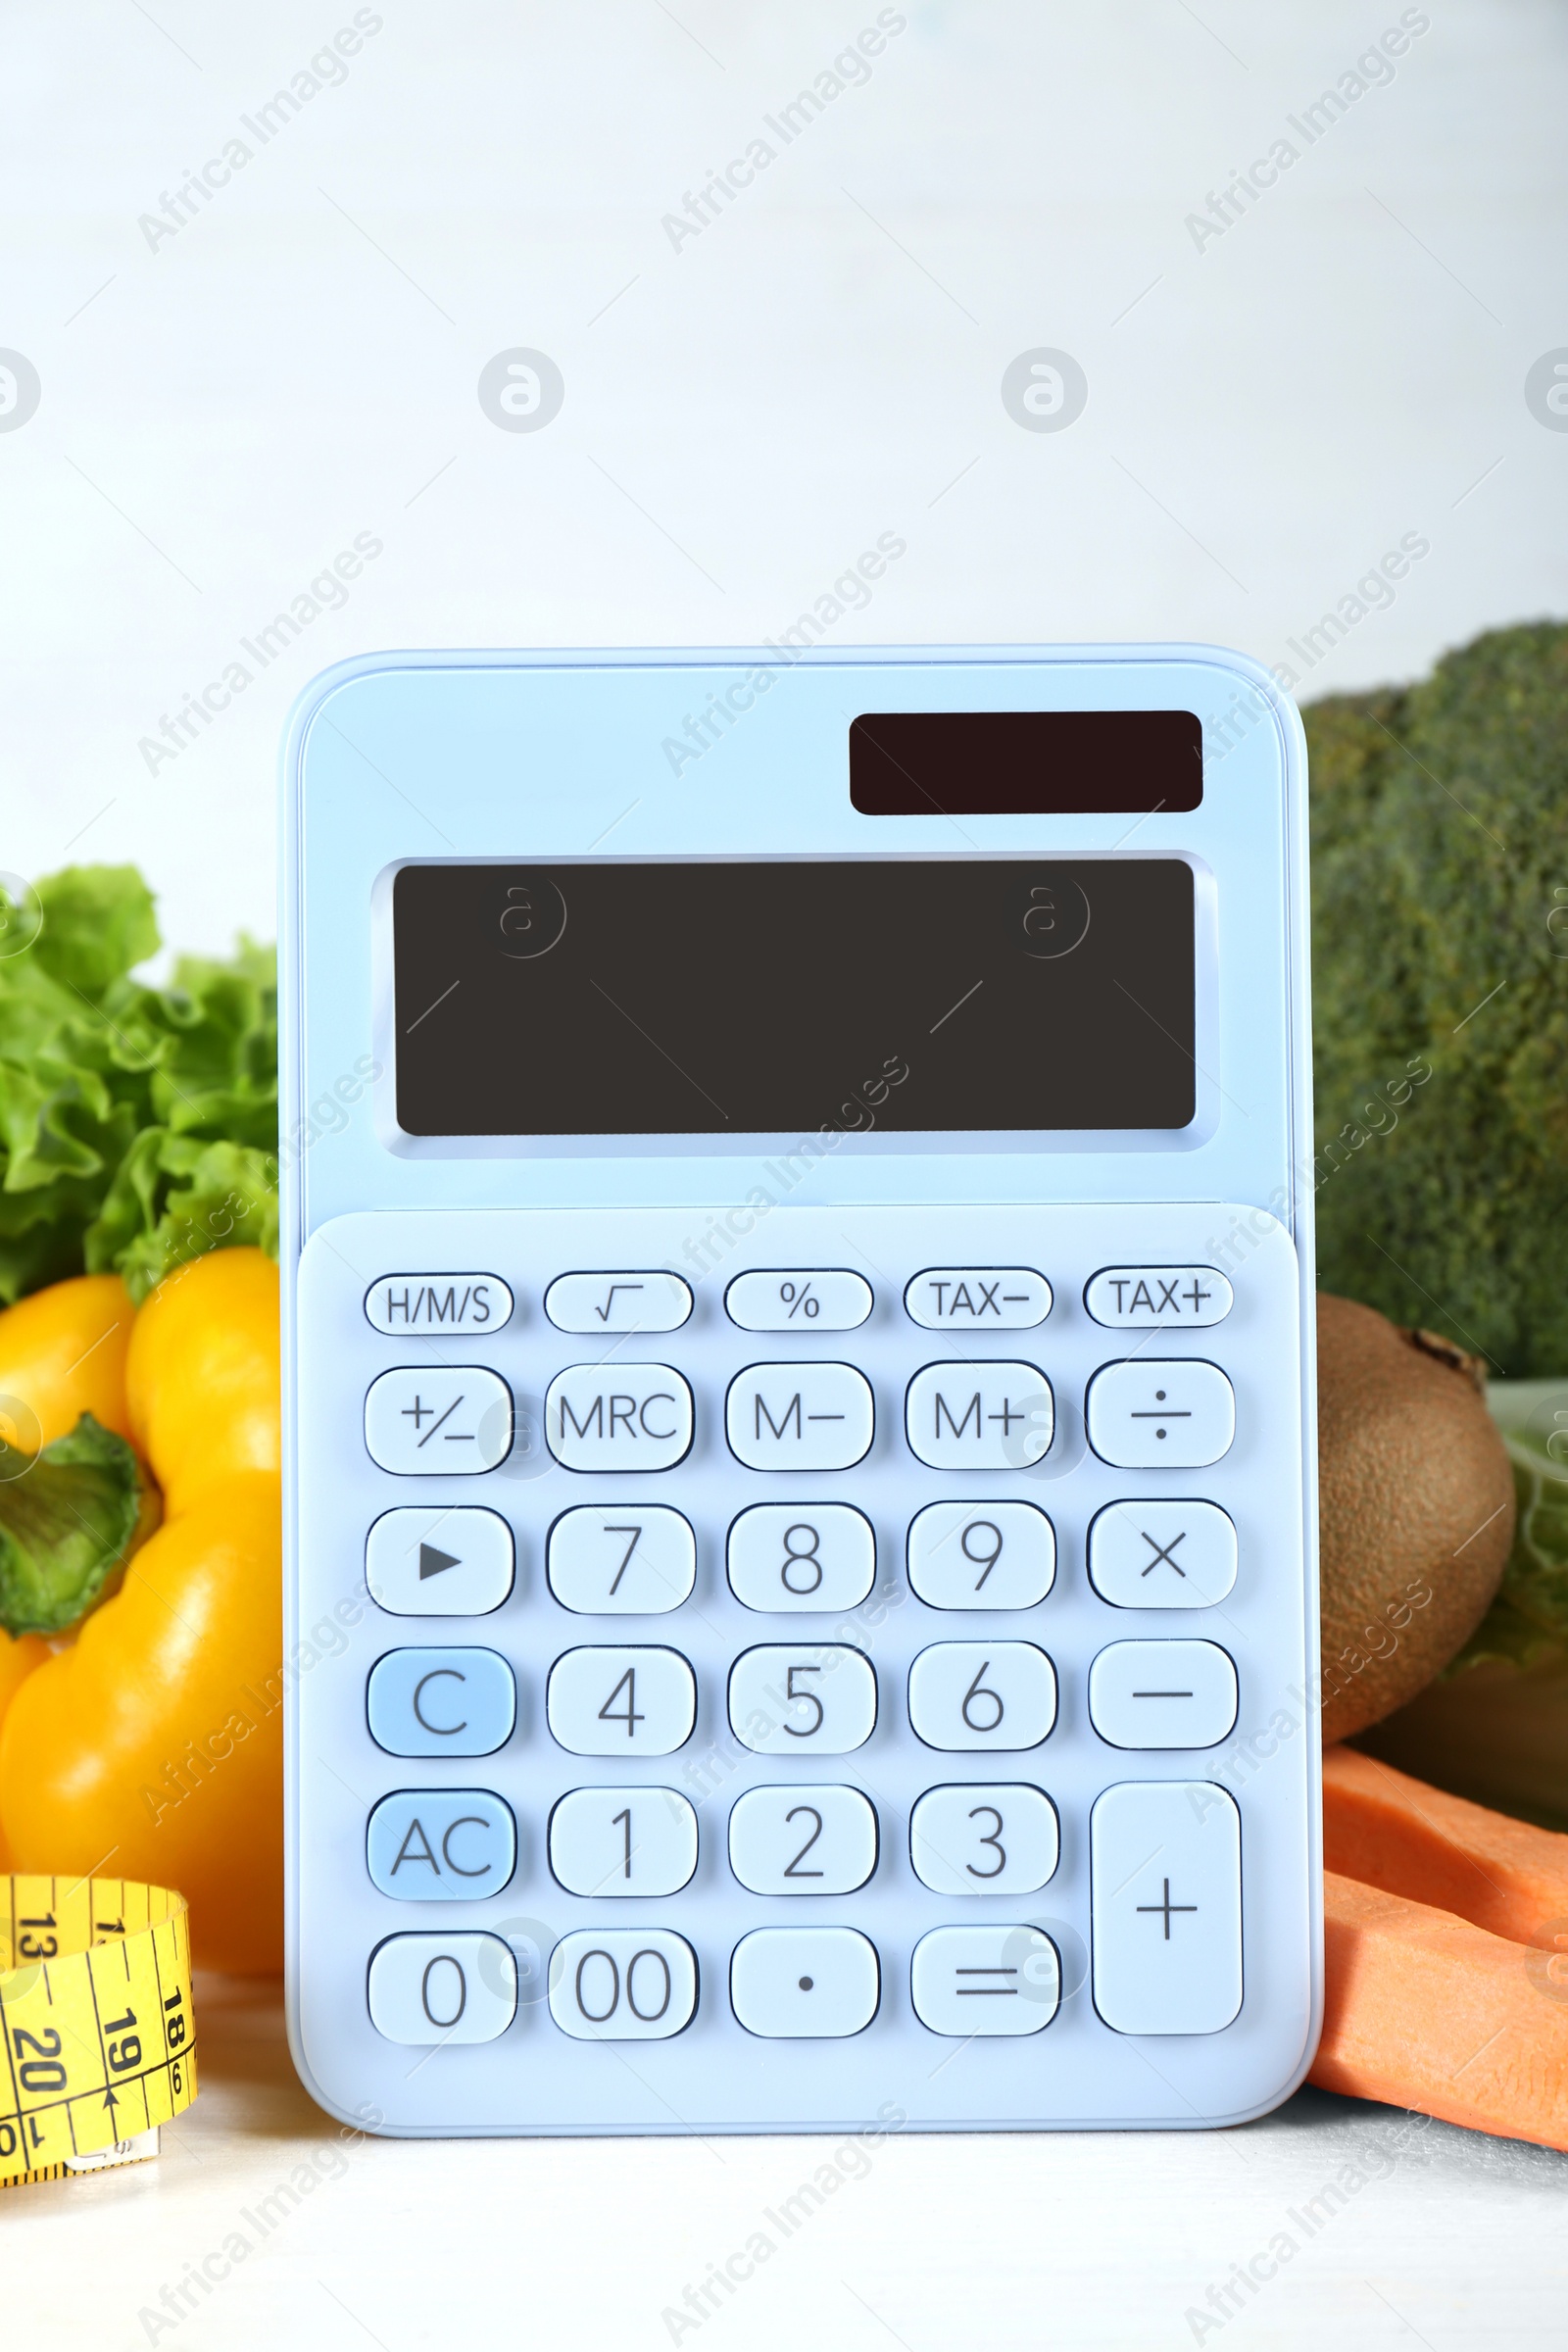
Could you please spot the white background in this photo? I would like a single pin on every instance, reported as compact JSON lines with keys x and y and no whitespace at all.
{"x":223,"y":410}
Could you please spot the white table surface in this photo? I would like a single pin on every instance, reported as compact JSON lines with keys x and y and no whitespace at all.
{"x":1437,"y":2236}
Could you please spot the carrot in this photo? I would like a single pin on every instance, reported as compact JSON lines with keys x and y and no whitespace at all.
{"x":1388,"y":1831}
{"x":1428,"y":2011}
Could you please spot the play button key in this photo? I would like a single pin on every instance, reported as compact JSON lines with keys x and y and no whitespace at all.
{"x":413,"y":1570}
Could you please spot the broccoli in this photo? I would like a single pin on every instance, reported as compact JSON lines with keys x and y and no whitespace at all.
{"x":1440,"y":944}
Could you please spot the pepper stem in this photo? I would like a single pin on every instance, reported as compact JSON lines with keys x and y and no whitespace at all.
{"x":68,"y":1517}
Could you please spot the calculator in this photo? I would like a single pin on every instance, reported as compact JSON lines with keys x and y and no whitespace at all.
{"x":799,"y":1392}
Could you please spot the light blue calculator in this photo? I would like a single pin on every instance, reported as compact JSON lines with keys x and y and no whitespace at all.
{"x":799,"y":1392}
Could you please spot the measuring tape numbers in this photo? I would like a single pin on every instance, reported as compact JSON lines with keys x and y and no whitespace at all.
{"x":95,"y":2014}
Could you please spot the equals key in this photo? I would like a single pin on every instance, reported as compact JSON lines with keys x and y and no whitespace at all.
{"x":980,"y":1982}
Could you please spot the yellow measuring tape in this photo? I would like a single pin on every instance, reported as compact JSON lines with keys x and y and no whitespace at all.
{"x":96,"y":2017}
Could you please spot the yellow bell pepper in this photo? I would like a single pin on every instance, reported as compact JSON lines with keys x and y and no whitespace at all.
{"x":63,"y":1354}
{"x":18,"y":1655}
{"x":152,"y":1745}
{"x":202,"y":1378}
{"x":73,"y":1502}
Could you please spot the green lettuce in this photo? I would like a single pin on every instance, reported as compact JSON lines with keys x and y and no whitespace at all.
{"x":138,"y":1124}
{"x":1528,"y":1619}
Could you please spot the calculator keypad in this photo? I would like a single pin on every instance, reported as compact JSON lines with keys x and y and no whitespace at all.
{"x":979,"y":1416}
{"x":802,"y":1840}
{"x":438,"y":1422}
{"x":622,"y":1984}
{"x":802,"y":1558}
{"x":982,"y":1556}
{"x":977,"y":1696}
{"x":1165,"y":1868}
{"x":441,"y":1703}
{"x":1162,"y":1694}
{"x":789,"y":1701}
{"x":454,"y":1562}
{"x":985,"y":1980}
{"x":1154,"y":1415}
{"x":805,"y":1983}
{"x":447,"y":1989}
{"x":433,"y":1305}
{"x":633,"y":1559}
{"x":618,"y":1417}
{"x":597,"y":1303}
{"x":978,"y":1299}
{"x":821,"y":1299}
{"x":800,"y":1417}
{"x":1163,"y":1555}
{"x":652,"y":1771}
{"x":978,"y":1838}
{"x":441,"y":1845}
{"x":622,"y":1842}
{"x":622,"y":1702}
{"x":1158,"y":1298}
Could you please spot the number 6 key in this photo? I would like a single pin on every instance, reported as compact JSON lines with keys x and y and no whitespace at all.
{"x":982,"y":1694}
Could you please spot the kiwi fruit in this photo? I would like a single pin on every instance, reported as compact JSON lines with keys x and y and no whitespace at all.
{"x":1416,"y":1509}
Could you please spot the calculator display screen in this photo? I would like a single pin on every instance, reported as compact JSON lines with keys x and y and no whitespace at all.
{"x":659,"y":997}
